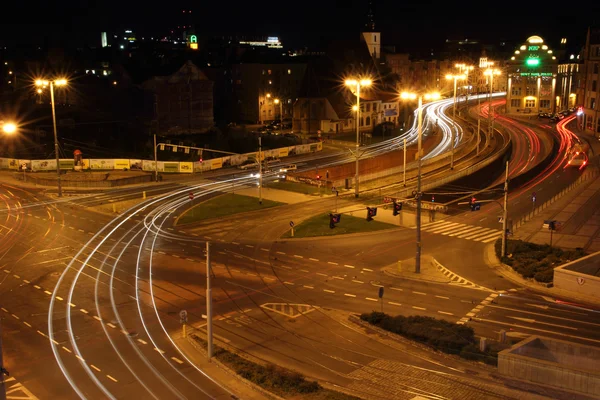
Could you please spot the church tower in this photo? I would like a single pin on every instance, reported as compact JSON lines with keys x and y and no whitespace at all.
{"x":370,"y":36}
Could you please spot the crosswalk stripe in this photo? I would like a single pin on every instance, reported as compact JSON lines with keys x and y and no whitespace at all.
{"x":431,"y":223}
{"x":474,"y":233}
{"x":491,"y":239}
{"x":438,"y":226}
{"x":490,"y":236}
{"x":480,"y":234}
{"x":469,"y":229}
{"x":447,"y":229}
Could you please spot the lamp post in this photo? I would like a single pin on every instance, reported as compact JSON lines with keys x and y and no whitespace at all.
{"x":8,"y":127}
{"x":278,"y":101}
{"x":490,"y":72}
{"x":455,"y":78}
{"x":355,"y":83}
{"x":412,"y":96}
{"x":52,"y":83}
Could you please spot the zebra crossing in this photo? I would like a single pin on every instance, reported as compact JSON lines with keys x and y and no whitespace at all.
{"x":462,"y":231}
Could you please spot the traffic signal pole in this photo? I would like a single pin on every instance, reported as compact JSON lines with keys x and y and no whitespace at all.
{"x":209,"y":335}
{"x":260,"y":171}
{"x":420,"y":126}
{"x":505,"y":214}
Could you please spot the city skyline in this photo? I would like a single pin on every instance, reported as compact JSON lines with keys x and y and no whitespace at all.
{"x":428,"y":26}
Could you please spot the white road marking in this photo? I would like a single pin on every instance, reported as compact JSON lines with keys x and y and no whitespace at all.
{"x":289,"y":283}
{"x":446,"y":313}
{"x":111,"y":325}
{"x":59,"y":298}
{"x":14,"y":316}
{"x":177,"y":360}
{"x":419,"y":308}
{"x":443,"y":297}
{"x":94,"y":367}
{"x":28,"y":324}
{"x":398,"y":289}
{"x":355,"y":281}
{"x":297,"y":256}
{"x":349,"y":295}
{"x":263,"y":249}
{"x":47,"y":292}
{"x":394,"y":304}
{"x":26,"y":281}
{"x":313,"y":259}
{"x":67,"y":350}
{"x":142,"y":341}
{"x":42,"y":333}
{"x":83,"y":311}
{"x":322,"y":274}
{"x":110,"y":377}
{"x":36,"y":286}
{"x":79,"y":357}
{"x":17,"y":276}
{"x":308,"y":287}
{"x":371,"y":299}
{"x":349,"y":266}
{"x":159,"y":350}
{"x":421,"y":293}
{"x":329,"y":291}
{"x":367,"y":269}
{"x":280,"y":252}
{"x":97,"y":318}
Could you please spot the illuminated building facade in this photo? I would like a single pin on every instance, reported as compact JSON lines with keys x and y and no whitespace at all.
{"x":589,"y":93}
{"x":532,"y":79}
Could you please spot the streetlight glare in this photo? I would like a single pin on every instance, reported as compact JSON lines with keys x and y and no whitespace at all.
{"x":276,"y":101}
{"x":351,"y":82}
{"x":9,"y":128}
{"x":355,"y":108}
{"x":407,"y":95}
{"x":60,"y":82}
{"x":365,"y":82}
{"x":268,"y":95}
{"x":432,"y":96}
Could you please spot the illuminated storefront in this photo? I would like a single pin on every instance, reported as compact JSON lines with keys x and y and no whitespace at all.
{"x":531,"y":74}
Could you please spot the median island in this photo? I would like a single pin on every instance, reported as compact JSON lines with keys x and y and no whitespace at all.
{"x":319,"y":225}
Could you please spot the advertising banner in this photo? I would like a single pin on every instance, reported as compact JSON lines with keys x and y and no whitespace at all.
{"x":216,"y":163}
{"x":66,"y":163}
{"x":25,"y":165}
{"x":201,"y":166}
{"x":238,"y":159}
{"x":303,"y":148}
{"x":43,"y":165}
{"x":13,"y":163}
{"x":148,"y":165}
{"x":4,"y":163}
{"x":121,"y":164}
{"x":186,"y":167}
{"x":170,"y":166}
{"x":85,"y":163}
{"x":98,"y":163}
{"x":283,"y":152}
{"x":135,"y":165}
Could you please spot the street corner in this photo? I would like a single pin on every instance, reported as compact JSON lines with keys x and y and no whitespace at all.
{"x":406,"y":269}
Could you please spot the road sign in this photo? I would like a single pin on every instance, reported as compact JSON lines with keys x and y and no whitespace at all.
{"x":191,"y":196}
{"x":333,"y":189}
{"x":500,"y":219}
{"x":292,"y":224}
{"x":533,"y":197}
{"x":380,"y":292}
{"x":183,"y":316}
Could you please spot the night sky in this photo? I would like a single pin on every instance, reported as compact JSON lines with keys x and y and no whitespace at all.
{"x":407,"y":25}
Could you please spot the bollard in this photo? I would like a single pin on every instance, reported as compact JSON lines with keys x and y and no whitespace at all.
{"x":502,"y":336}
{"x":482,"y":344}
{"x":399,"y":266}
{"x":144,"y":195}
{"x":114,"y":207}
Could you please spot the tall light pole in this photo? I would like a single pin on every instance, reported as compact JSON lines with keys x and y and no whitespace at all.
{"x":455,"y":78}
{"x":260,"y":174}
{"x":355,"y":83}
{"x":52,"y":83}
{"x":490,"y":72}
{"x":8,"y":127}
{"x":419,"y":195}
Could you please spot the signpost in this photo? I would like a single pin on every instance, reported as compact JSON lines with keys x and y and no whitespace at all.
{"x":334,"y":190}
{"x":381,"y":296}
{"x":292,"y":226}
{"x":191,"y":197}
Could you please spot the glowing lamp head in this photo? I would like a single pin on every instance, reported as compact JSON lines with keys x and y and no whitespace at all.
{"x":432,"y":96}
{"x":408,"y":96}
{"x":9,"y":128}
{"x":351,"y":82}
{"x":354,"y":108}
{"x":60,"y":82}
{"x":276,"y":101}
{"x":365,"y":82}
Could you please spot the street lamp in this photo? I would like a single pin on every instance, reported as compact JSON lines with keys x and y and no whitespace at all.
{"x":277,"y":101}
{"x":42,"y":84}
{"x":455,"y":78}
{"x":8,"y":127}
{"x":490,"y":72}
{"x":354,"y":83}
{"x":412,"y":96}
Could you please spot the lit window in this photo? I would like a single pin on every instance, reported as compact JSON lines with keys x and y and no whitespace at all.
{"x":289,"y":71}
{"x":263,"y":71}
{"x":269,"y":72}
{"x":270,"y":82}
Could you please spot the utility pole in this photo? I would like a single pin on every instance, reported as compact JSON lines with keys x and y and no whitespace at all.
{"x":2,"y":370}
{"x":260,"y":178}
{"x":404,"y":170}
{"x":478,"y":119}
{"x":155,"y":161}
{"x":453,"y":128}
{"x":505,"y":213}
{"x":59,"y":187}
{"x":209,"y":335}
{"x":420,"y":129}
{"x":357,"y":138}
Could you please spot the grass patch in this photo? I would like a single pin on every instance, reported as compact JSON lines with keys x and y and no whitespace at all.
{"x":295,"y":187}
{"x":319,"y":226}
{"x":226,"y":204}
{"x":535,"y":261}
{"x":436,"y":333}
{"x":275,"y":379}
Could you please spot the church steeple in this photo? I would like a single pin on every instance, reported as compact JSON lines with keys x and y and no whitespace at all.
{"x":370,"y":25}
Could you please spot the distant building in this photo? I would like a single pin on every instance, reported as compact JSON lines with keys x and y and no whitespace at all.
{"x":589,"y":92}
{"x":183,"y":100}
{"x":532,"y":78}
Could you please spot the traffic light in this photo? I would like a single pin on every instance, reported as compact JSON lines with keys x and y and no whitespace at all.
{"x":473,"y":200}
{"x":334,"y":219}
{"x":318,"y":177}
{"x":371,"y":212}
{"x":552,"y":225}
{"x":397,"y":208}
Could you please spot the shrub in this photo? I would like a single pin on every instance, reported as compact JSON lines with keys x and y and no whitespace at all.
{"x":544,"y":276}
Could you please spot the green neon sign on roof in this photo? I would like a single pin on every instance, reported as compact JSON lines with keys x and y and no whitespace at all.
{"x":532,"y":62}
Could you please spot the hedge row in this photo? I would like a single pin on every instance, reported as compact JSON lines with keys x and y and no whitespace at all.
{"x":535,"y":261}
{"x":436,"y":333}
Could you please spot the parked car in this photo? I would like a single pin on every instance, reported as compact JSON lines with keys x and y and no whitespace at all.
{"x":289,"y":167}
{"x":248,"y":164}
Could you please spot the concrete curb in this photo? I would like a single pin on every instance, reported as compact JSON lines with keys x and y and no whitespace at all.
{"x":505,"y":270}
